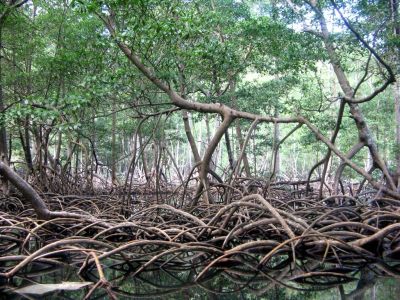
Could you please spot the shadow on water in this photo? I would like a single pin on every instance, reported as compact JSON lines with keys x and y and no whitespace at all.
{"x":224,"y":283}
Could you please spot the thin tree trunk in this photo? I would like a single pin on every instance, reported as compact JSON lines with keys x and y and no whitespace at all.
{"x":205,"y":164}
{"x":245,"y":160}
{"x":396,"y":87}
{"x":200,"y":139}
{"x":229,"y":150}
{"x":277,"y":157}
{"x":190,"y":137}
{"x":232,"y":90}
{"x":208,"y":132}
{"x":113,"y":145}
{"x":195,"y":153}
{"x":3,"y":133}
{"x":58,"y":149}
{"x":144,"y":159}
{"x":26,"y":145}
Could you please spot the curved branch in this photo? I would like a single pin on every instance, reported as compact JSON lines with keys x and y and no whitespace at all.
{"x":351,"y":164}
{"x":391,"y":77}
{"x":353,"y":151}
{"x":176,"y":99}
{"x":32,"y":196}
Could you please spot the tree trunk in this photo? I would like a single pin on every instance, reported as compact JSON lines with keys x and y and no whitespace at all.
{"x":3,"y":133}
{"x":277,"y":157}
{"x":208,"y":132}
{"x":364,"y":133}
{"x":113,"y":145}
{"x":232,"y":89}
{"x":397,"y":120}
{"x":394,"y":8}
{"x":229,"y":150}
{"x":27,"y":191}
{"x":33,"y":197}
{"x":144,"y":159}
{"x":245,"y":160}
{"x":189,"y":135}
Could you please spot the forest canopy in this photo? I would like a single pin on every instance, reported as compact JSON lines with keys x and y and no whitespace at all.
{"x":78,"y":77}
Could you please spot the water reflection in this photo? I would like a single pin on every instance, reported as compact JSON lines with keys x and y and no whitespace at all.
{"x":226,"y":283}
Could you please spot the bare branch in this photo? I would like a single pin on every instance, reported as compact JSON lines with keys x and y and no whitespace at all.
{"x":391,"y":77}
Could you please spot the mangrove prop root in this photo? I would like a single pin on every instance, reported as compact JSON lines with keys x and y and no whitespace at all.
{"x":254,"y":234}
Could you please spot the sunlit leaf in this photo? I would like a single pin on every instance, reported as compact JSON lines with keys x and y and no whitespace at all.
{"x":41,"y":289}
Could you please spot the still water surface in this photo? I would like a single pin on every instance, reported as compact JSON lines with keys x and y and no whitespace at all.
{"x":161,"y":284}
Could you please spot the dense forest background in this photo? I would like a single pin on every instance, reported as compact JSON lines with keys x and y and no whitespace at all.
{"x":77,"y":113}
{"x":152,"y":145}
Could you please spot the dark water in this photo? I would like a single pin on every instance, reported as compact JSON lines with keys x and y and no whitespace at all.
{"x":223,"y":284}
